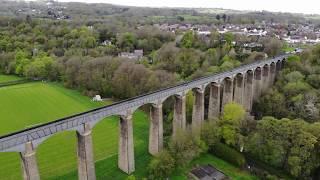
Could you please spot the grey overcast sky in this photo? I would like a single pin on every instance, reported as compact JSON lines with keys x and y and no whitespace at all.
{"x":301,"y":6}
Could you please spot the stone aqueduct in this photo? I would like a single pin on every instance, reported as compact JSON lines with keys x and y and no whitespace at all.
{"x":242,"y":85}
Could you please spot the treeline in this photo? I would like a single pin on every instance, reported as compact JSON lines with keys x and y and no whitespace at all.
{"x":64,"y":38}
{"x":85,"y":56}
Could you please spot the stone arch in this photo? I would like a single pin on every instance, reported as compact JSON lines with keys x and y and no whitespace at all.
{"x":114,"y":134}
{"x":61,"y":146}
{"x":105,"y":136}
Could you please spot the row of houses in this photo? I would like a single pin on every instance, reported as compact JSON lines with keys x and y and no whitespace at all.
{"x":301,"y":40}
{"x":293,"y":33}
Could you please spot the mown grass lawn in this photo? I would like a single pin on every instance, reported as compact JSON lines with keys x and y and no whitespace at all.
{"x":34,"y":103}
{"x":7,"y":78}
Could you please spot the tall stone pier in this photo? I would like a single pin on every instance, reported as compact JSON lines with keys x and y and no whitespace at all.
{"x":278,"y":67}
{"x":248,"y":92}
{"x":198,"y":108}
{"x":126,"y":147}
{"x":227,"y":92}
{"x":257,"y":83}
{"x":156,"y":129}
{"x":179,"y":113}
{"x":272,"y":74}
{"x":239,"y":89}
{"x":86,"y":168}
{"x":29,"y":163}
{"x":265,"y":79}
{"x":214,"y":101}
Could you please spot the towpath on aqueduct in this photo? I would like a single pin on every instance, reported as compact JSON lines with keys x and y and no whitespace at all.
{"x":241,"y":85}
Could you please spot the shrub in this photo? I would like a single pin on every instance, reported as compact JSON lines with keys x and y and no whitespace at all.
{"x":228,"y":154}
{"x":210,"y":132}
{"x":185,"y":146}
{"x":161,"y":166}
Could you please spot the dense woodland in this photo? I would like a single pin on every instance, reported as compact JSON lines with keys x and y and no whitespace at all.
{"x":73,"y":53}
{"x":284,"y":133}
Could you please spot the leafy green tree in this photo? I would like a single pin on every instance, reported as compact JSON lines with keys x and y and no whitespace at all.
{"x":273,"y":103}
{"x":254,"y":56}
{"x":3,"y":44}
{"x":229,"y":38}
{"x":185,"y":146}
{"x":230,"y":124}
{"x":294,"y":76}
{"x":97,"y":74}
{"x":7,"y":63}
{"x":127,"y":41}
{"x":210,"y":132}
{"x":212,"y":57}
{"x":187,"y":40}
{"x":272,"y":46}
{"x":21,"y":61}
{"x":130,"y":80}
{"x":227,"y":65}
{"x":285,"y":144}
{"x":39,"y":68}
{"x":315,"y":55}
{"x":215,"y":39}
{"x":165,"y":57}
{"x":161,"y":166}
{"x":160,"y":79}
{"x":294,"y":88}
{"x":187,"y":62}
{"x":314,"y":80}
{"x":189,"y":106}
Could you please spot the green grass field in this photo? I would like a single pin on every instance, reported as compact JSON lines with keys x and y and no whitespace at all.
{"x":7,"y":78}
{"x":34,"y":103}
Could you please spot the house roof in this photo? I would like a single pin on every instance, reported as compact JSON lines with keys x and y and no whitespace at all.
{"x":207,"y":172}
